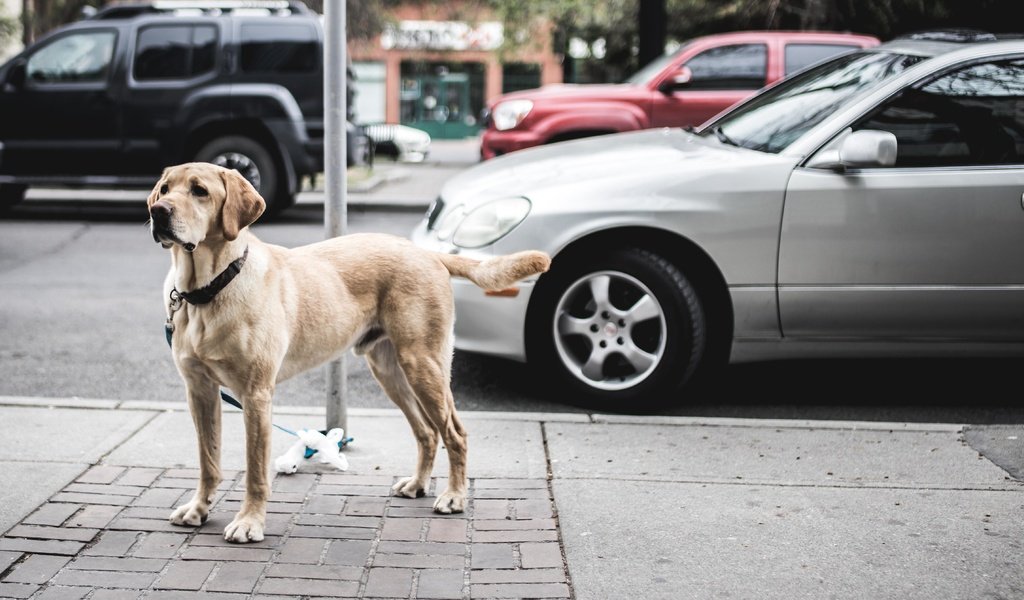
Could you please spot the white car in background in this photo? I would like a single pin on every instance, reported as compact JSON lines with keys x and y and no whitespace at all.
{"x":400,"y":142}
{"x":870,"y":205}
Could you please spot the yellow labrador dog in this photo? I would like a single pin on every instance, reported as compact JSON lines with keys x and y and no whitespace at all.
{"x":246,"y":315}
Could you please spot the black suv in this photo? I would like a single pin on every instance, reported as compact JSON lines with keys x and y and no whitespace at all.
{"x":114,"y":98}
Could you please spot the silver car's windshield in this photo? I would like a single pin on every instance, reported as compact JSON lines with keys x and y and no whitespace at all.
{"x":776,"y":118}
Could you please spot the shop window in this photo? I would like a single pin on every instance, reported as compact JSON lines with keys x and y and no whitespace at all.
{"x":371,"y":96}
{"x":519,"y":76}
{"x":442,"y":98}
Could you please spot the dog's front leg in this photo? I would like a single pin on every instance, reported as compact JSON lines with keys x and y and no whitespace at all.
{"x":249,"y":522}
{"x":204,"y":404}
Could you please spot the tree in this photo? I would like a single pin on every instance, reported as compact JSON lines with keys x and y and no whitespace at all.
{"x":365,"y":19}
{"x":40,"y":16}
{"x":882,"y":18}
{"x":615,"y":22}
{"x":652,"y":28}
{"x":8,"y":29}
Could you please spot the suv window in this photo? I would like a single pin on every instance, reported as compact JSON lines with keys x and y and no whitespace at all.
{"x":174,"y":52}
{"x":971,"y":116}
{"x":738,"y":67}
{"x":799,"y":56}
{"x":73,"y":58}
{"x":278,"y":48}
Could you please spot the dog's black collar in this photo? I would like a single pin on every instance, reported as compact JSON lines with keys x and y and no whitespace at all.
{"x":207,"y":293}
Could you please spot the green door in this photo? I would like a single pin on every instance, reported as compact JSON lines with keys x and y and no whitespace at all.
{"x":439,"y":105}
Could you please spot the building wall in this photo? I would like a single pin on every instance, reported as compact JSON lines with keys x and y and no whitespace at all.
{"x":407,"y":58}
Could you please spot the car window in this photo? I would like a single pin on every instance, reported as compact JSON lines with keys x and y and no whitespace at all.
{"x":799,"y":56}
{"x":972,"y":116}
{"x":77,"y":57}
{"x":174,"y":52}
{"x":656,"y":66}
{"x":776,"y":118}
{"x":739,"y":67}
{"x":278,"y":48}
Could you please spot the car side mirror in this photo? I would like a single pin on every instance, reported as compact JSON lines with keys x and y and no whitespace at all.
{"x":679,"y":80}
{"x":865,"y":148}
{"x":16,"y":75}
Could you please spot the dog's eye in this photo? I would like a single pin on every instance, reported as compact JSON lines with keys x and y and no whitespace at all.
{"x":198,"y":190}
{"x":163,"y":189}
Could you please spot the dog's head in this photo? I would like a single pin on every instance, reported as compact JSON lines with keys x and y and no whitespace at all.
{"x":196,"y":202}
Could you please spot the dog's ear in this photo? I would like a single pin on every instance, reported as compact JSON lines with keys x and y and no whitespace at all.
{"x":155,"y":194}
{"x":242,"y":203}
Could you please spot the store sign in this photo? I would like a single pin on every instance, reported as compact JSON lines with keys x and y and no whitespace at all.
{"x":442,"y":35}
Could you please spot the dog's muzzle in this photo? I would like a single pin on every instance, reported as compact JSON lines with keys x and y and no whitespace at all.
{"x":160,"y":220}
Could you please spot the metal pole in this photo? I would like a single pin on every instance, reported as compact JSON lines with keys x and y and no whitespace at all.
{"x":335,"y":167}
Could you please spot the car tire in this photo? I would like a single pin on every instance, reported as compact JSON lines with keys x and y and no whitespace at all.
{"x":10,"y":195}
{"x":255,"y":163}
{"x":623,"y":331}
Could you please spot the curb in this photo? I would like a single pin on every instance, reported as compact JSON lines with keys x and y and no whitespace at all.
{"x":579,"y":418}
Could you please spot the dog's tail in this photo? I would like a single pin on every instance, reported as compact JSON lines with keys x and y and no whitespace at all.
{"x":499,"y":272}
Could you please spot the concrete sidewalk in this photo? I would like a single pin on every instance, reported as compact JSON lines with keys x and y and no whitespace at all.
{"x":562,"y":506}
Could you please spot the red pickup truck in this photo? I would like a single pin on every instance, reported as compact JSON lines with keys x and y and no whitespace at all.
{"x":704,"y":77}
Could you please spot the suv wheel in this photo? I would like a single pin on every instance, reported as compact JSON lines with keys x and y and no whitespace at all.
{"x":11,"y":194}
{"x":624,"y":330}
{"x":254,"y":162}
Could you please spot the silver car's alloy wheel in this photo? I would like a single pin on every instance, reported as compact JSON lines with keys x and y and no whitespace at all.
{"x":609,"y":330}
{"x":241,"y":163}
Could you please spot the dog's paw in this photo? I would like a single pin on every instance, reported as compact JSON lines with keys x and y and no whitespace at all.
{"x":191,"y":514}
{"x":409,"y":487}
{"x":244,"y":529}
{"x":450,"y":502}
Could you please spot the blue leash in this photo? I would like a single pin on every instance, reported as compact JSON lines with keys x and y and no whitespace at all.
{"x":226,"y":397}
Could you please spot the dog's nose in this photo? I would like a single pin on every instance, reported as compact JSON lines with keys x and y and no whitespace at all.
{"x":160,"y":212}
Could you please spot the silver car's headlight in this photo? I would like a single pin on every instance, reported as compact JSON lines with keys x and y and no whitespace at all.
{"x":446,"y":226}
{"x":510,"y":113}
{"x":484,"y":224}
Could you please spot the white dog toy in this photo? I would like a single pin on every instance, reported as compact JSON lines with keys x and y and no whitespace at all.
{"x":289,"y":462}
{"x":327,"y":447}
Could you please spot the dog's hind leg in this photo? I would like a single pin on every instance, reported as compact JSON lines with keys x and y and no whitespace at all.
{"x":248,"y":524}
{"x":454,"y":435}
{"x":383,"y":364}
{"x":429,"y":375}
{"x":204,"y":404}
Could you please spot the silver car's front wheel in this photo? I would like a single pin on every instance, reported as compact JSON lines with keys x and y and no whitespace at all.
{"x":620,"y":329}
{"x":609,"y":330}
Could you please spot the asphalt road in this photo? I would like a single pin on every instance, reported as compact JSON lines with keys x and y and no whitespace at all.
{"x":81,"y":315}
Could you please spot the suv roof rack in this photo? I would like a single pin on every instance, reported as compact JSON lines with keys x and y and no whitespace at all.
{"x":211,"y":8}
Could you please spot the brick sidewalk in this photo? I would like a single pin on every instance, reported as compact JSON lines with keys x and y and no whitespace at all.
{"x":106,"y":536}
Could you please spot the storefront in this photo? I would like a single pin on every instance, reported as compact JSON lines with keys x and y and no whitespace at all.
{"x":436,"y":73}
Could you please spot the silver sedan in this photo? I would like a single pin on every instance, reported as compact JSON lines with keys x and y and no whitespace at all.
{"x":870,"y":205}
